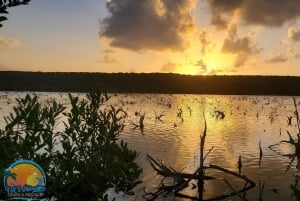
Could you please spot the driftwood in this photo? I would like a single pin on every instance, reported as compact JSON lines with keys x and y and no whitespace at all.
{"x":182,"y":181}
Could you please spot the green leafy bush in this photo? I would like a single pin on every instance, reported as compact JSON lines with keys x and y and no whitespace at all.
{"x":83,"y":159}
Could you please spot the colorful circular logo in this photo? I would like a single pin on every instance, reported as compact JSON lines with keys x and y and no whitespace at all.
{"x":25,"y":179}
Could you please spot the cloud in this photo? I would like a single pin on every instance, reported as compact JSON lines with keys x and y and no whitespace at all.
{"x":148,"y":24}
{"x":108,"y":57}
{"x":8,"y":42}
{"x":243,"y":47}
{"x":239,"y":45}
{"x":169,"y":67}
{"x":202,"y":65}
{"x":259,"y":12}
{"x":294,"y":34}
{"x":203,"y":69}
{"x":219,"y":21}
{"x":205,"y":41}
{"x":277,"y":57}
{"x":287,"y":49}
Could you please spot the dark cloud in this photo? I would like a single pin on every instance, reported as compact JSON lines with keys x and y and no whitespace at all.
{"x":239,"y":45}
{"x":219,"y":21}
{"x":148,"y":24}
{"x":261,"y":12}
{"x":294,"y":34}
{"x":243,"y":47}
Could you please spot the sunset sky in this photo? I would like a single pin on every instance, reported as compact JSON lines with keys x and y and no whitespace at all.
{"x":205,"y":37}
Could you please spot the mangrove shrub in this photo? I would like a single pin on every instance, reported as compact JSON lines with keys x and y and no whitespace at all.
{"x":76,"y":145}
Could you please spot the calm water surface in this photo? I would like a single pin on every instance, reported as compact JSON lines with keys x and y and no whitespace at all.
{"x":175,"y":140}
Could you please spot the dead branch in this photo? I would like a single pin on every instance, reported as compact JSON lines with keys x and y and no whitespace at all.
{"x":208,"y":152}
{"x":260,"y":153}
{"x":201,"y":169}
{"x":297,"y":114}
{"x":231,"y":187}
{"x":243,"y":177}
{"x":163,"y":170}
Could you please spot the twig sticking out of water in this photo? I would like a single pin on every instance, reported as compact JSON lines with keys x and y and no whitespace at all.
{"x":240,"y":164}
{"x":290,"y":141}
{"x":179,"y":113}
{"x":289,"y":120}
{"x":158,"y":117}
{"x":190,"y":110}
{"x":201,"y":169}
{"x":142,"y":117}
{"x":141,"y":122}
{"x":260,"y":153}
{"x":280,"y":132}
{"x":297,"y":114}
{"x":208,"y":152}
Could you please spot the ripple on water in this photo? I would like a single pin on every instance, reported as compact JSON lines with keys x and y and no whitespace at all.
{"x":175,"y":138}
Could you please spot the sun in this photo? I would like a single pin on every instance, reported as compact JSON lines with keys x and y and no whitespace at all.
{"x":218,"y":61}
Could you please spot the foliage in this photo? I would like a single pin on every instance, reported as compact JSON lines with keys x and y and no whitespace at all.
{"x":9,"y":3}
{"x":84,"y":159}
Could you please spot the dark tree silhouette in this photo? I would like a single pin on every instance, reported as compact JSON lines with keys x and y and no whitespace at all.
{"x":4,"y":4}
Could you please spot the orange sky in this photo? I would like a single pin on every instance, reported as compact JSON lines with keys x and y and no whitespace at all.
{"x":204,"y":37}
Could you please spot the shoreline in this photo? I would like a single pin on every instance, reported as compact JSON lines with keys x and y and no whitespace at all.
{"x":162,"y":83}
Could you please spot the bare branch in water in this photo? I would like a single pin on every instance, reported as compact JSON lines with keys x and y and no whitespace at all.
{"x":231,"y":187}
{"x":240,"y":164}
{"x":297,"y":114}
{"x":260,"y":153}
{"x":201,"y":169}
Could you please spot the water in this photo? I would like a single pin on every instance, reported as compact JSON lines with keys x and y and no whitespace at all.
{"x":174,"y":138}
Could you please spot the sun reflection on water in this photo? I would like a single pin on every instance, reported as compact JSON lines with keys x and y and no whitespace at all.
{"x":175,"y":137}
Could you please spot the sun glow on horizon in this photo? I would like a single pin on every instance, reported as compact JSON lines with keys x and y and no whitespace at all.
{"x":210,"y":64}
{"x":218,"y":61}
{"x":189,"y":69}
